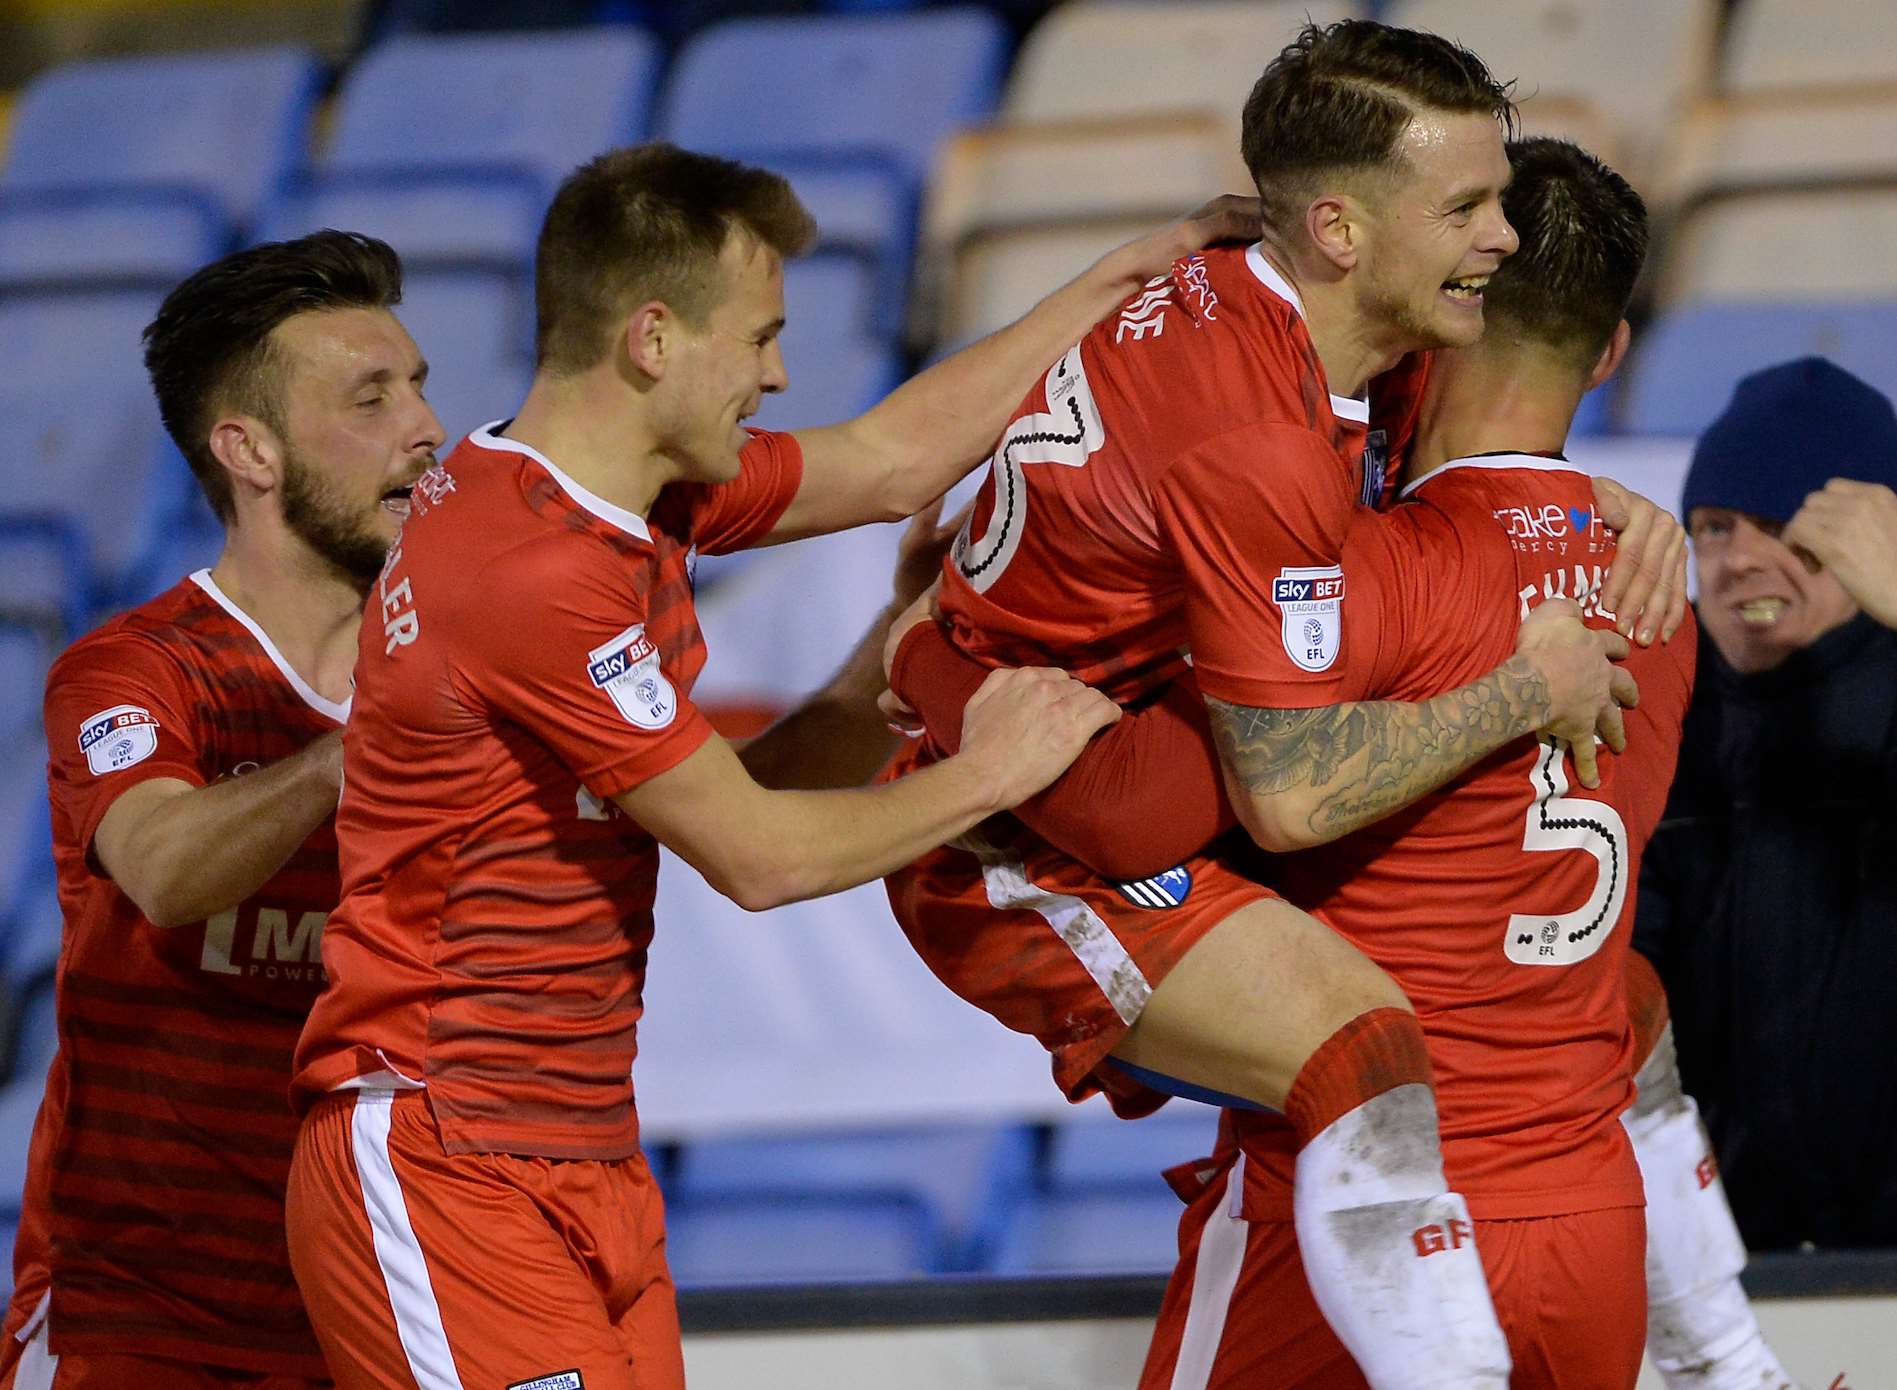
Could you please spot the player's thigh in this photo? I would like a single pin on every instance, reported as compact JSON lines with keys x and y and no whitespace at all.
{"x":1238,"y":1312}
{"x":1051,"y":949}
{"x":421,"y":1267}
{"x":1248,"y":1004}
{"x":1571,"y":1295}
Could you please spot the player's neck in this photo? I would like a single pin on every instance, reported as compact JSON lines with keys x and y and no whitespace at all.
{"x":1350,"y":346}
{"x":593,"y":430}
{"x":1490,"y":402}
{"x":308,"y":609}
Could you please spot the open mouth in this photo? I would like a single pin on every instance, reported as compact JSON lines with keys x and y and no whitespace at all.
{"x":1467,"y":290}
{"x":396,"y":499}
{"x":1761,"y":612}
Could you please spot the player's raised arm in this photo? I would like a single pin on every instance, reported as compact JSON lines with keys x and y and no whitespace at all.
{"x":918,"y":442}
{"x":1299,"y":778}
{"x":761,"y":848}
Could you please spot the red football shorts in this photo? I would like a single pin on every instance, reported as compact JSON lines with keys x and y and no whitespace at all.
{"x":1047,"y":947}
{"x":1570,"y":1292}
{"x":458,"y":1271}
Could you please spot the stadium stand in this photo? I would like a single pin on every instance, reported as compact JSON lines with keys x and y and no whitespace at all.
{"x":1773,"y":44}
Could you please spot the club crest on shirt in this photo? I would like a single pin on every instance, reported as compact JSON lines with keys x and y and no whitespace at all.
{"x":117,"y":738}
{"x":1310,"y":602}
{"x":627,"y":669}
{"x":1161,"y":890}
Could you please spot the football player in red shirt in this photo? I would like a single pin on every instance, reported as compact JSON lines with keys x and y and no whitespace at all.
{"x":467,"y":1203}
{"x":1182,"y":481}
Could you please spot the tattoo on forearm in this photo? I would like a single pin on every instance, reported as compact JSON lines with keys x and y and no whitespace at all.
{"x":1363,"y":761}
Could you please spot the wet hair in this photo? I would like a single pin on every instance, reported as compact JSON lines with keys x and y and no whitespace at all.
{"x":1338,"y":98}
{"x":1583,"y":237}
{"x":644,"y":223}
{"x":209,"y":350}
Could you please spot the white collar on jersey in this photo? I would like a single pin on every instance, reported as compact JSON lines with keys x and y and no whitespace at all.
{"x":1533,"y":462}
{"x":1343,"y":407}
{"x":630,"y":522}
{"x":328,"y":708}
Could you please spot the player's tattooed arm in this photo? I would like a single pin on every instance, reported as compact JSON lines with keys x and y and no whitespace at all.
{"x":1312,"y":775}
{"x":1299,"y":778}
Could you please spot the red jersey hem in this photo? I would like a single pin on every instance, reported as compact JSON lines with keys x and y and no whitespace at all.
{"x":532,"y":1142}
{"x":181,"y":1347}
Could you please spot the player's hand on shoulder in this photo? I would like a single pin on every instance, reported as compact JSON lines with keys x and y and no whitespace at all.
{"x":1645,"y":587}
{"x":1228,"y":217}
{"x":1026,"y":724}
{"x":1850,"y":528}
{"x":1586,"y":691}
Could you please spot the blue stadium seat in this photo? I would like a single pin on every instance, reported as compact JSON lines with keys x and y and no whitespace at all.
{"x":1689,"y":360}
{"x":9,"y":1231}
{"x":948,"y":1172}
{"x":865,"y":207}
{"x":449,"y":147}
{"x":808,"y":1238}
{"x":26,"y":649}
{"x":90,"y":489}
{"x":35,"y":1041}
{"x":829,"y":382}
{"x":1092,"y":1154}
{"x":476,"y":330}
{"x":831,"y":298}
{"x":142,"y":162}
{"x":1111,"y":1232}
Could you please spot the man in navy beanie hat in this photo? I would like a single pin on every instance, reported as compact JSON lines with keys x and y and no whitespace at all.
{"x":1769,"y":894}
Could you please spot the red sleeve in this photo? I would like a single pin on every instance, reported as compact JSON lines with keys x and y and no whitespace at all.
{"x":740,"y":513}
{"x":1257,"y":518}
{"x":117,"y":715}
{"x":1160,"y":758}
{"x":583,"y":676}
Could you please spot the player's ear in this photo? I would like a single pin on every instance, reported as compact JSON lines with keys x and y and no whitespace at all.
{"x":651,"y":338}
{"x":1336,"y":225}
{"x":1611,"y":356}
{"x":249,"y":450}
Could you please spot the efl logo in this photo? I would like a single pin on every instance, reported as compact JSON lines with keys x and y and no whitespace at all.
{"x":627,"y":669}
{"x":117,"y":738}
{"x":1453,"y":1234}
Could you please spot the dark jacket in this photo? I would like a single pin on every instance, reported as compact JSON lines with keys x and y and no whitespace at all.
{"x":1768,"y":902}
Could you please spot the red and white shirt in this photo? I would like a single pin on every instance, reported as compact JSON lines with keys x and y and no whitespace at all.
{"x":528,"y":654}
{"x":154,"y":1198}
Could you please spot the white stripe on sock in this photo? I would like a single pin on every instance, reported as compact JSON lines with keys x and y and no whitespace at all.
{"x":404,"y":1270}
{"x":1214,"y":1278}
{"x":1089,"y":938}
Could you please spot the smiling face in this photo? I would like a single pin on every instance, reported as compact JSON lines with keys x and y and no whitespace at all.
{"x":1438,"y":232}
{"x":355,"y":432}
{"x":729,"y":363}
{"x":1758,"y":599}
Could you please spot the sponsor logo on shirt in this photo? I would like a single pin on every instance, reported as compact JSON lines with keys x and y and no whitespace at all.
{"x":627,"y":669}
{"x":559,"y":1380}
{"x":1201,"y":298}
{"x":1161,"y":890}
{"x":1551,"y":526}
{"x":1310,"y":603}
{"x":117,"y":738}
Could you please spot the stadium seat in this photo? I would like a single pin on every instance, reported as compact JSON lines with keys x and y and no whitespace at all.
{"x":1117,"y":1232}
{"x":864,"y":207}
{"x":33,"y":1045}
{"x":830,"y":298}
{"x":476,"y":331}
{"x":1099,"y":1152}
{"x":1800,"y":138}
{"x":1122,"y":61}
{"x":1688,"y":360}
{"x":26,"y":650}
{"x":810,"y":1238}
{"x":1774,"y":44}
{"x":829,"y":382}
{"x":1758,"y":246}
{"x":999,"y":276}
{"x":143,"y":161}
{"x":948,"y":1171}
{"x":1637,"y":61}
{"x":449,"y":147}
{"x":29,"y":933}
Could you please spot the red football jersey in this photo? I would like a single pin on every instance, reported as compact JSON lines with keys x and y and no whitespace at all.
{"x":1182,"y":478}
{"x":162,"y":1148}
{"x":1503,"y":904}
{"x":528,"y":654}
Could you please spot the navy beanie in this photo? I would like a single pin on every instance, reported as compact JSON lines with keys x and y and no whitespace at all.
{"x":1789,"y":430}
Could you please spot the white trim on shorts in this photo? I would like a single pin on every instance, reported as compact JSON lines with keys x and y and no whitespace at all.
{"x":404,"y":1270}
{"x":1214,"y":1278}
{"x":1090,"y":939}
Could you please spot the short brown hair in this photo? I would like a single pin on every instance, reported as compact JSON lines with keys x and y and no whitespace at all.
{"x":1583,"y":237}
{"x":1339,"y":97}
{"x":209,"y":350}
{"x":642,"y":223}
